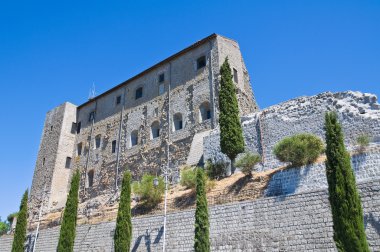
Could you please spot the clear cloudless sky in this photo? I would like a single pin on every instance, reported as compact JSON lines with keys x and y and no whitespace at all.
{"x":52,"y":52}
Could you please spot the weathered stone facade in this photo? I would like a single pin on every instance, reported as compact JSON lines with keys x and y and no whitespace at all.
{"x":132,"y":126}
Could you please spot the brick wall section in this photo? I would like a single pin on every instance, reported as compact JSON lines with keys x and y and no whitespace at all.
{"x":298,"y":222}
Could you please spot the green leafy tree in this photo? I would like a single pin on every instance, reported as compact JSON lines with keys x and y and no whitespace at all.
{"x":67,"y":233}
{"x":231,"y":133}
{"x":202,"y":236}
{"x":150,"y":195}
{"x":4,"y":227}
{"x":349,"y":234}
{"x":20,"y":232}
{"x":123,"y":231}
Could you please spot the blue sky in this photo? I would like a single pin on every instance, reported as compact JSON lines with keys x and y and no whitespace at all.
{"x":52,"y":51}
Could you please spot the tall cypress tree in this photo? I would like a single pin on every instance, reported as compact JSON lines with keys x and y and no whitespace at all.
{"x":347,"y":213}
{"x":202,"y":237}
{"x":231,"y":133}
{"x":123,"y":231}
{"x":20,"y":233}
{"x":69,"y":222}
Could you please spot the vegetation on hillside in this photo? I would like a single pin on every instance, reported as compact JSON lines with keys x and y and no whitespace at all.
{"x":123,"y":231}
{"x":68,"y":226}
{"x":349,"y":233}
{"x":231,"y":133}
{"x":247,"y":162}
{"x":149,"y":194}
{"x":300,"y":149}
{"x":20,"y":232}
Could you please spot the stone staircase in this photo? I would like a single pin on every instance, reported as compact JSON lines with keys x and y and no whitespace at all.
{"x":196,"y":149}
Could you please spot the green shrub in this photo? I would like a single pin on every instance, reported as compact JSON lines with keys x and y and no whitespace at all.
{"x":123,"y":230}
{"x":215,"y":171}
{"x":188,"y":178}
{"x":21,"y":224}
{"x":344,"y":198}
{"x":150,"y":196}
{"x":363,"y":141}
{"x":247,"y":162}
{"x":299,"y":149}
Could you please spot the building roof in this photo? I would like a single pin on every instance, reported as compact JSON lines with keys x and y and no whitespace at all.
{"x":196,"y":44}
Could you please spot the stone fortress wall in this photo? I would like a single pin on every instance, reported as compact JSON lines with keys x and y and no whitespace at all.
{"x":108,"y":126}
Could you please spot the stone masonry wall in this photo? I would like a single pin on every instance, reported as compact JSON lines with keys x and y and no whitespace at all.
{"x":298,"y":222}
{"x":358,"y":113}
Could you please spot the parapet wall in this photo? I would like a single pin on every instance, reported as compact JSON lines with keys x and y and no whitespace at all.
{"x":359,"y":114}
{"x":298,"y":222}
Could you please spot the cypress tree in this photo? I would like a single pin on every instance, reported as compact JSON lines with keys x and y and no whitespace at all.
{"x":20,"y":232}
{"x":347,"y":213}
{"x":123,"y":231}
{"x":68,"y":226}
{"x":231,"y":133}
{"x":201,"y":239}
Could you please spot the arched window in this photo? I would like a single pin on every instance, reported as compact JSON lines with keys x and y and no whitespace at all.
{"x":97,"y":141}
{"x":134,"y":138}
{"x":139,"y":93}
{"x":90,"y":178}
{"x":155,"y":129}
{"x":177,"y":121}
{"x":204,"y":111}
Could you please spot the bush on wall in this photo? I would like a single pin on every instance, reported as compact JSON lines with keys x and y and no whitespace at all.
{"x":189,"y":178}
{"x":150,"y":195}
{"x":215,"y":170}
{"x":247,"y":162}
{"x":300,"y":149}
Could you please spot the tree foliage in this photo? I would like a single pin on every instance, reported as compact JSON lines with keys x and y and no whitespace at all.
{"x":20,"y":232}
{"x":349,"y":234}
{"x":150,"y":195}
{"x":231,"y":133}
{"x":68,"y":227}
{"x":123,"y":231}
{"x":300,"y":149}
{"x":247,"y":162}
{"x":202,"y":236}
{"x":215,"y":170}
{"x":4,"y":227}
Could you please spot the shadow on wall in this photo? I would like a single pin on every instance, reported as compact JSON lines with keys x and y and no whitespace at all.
{"x":147,"y":238}
{"x":374,"y":221}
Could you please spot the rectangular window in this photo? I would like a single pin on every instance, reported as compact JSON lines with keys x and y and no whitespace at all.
{"x":161,"y":78}
{"x":139,"y":93}
{"x":161,"y":89}
{"x":92,"y":116}
{"x":79,"y":125}
{"x":118,"y":100}
{"x":79,"y":149}
{"x":236,"y":80}
{"x":113,"y":146}
{"x":201,"y":62}
{"x":68,"y":162}
{"x":97,"y":141}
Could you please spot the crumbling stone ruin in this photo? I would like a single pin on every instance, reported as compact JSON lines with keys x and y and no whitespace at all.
{"x":155,"y":118}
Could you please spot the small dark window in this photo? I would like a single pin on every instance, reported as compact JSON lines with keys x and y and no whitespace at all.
{"x":92,"y":116}
{"x":90,"y":177}
{"x":97,"y":141}
{"x":43,"y":161}
{"x":113,"y":146}
{"x":139,"y":93}
{"x":134,"y":138}
{"x":161,"y":78}
{"x":201,"y":62}
{"x":73,"y":128}
{"x":118,"y":100}
{"x":68,"y":162}
{"x":236,"y":80}
{"x":178,"y":123}
{"x":51,"y":128}
{"x":79,"y":149}
{"x":79,"y":125}
{"x":155,"y":128}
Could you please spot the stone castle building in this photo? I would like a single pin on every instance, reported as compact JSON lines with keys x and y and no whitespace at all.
{"x":154,"y":119}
